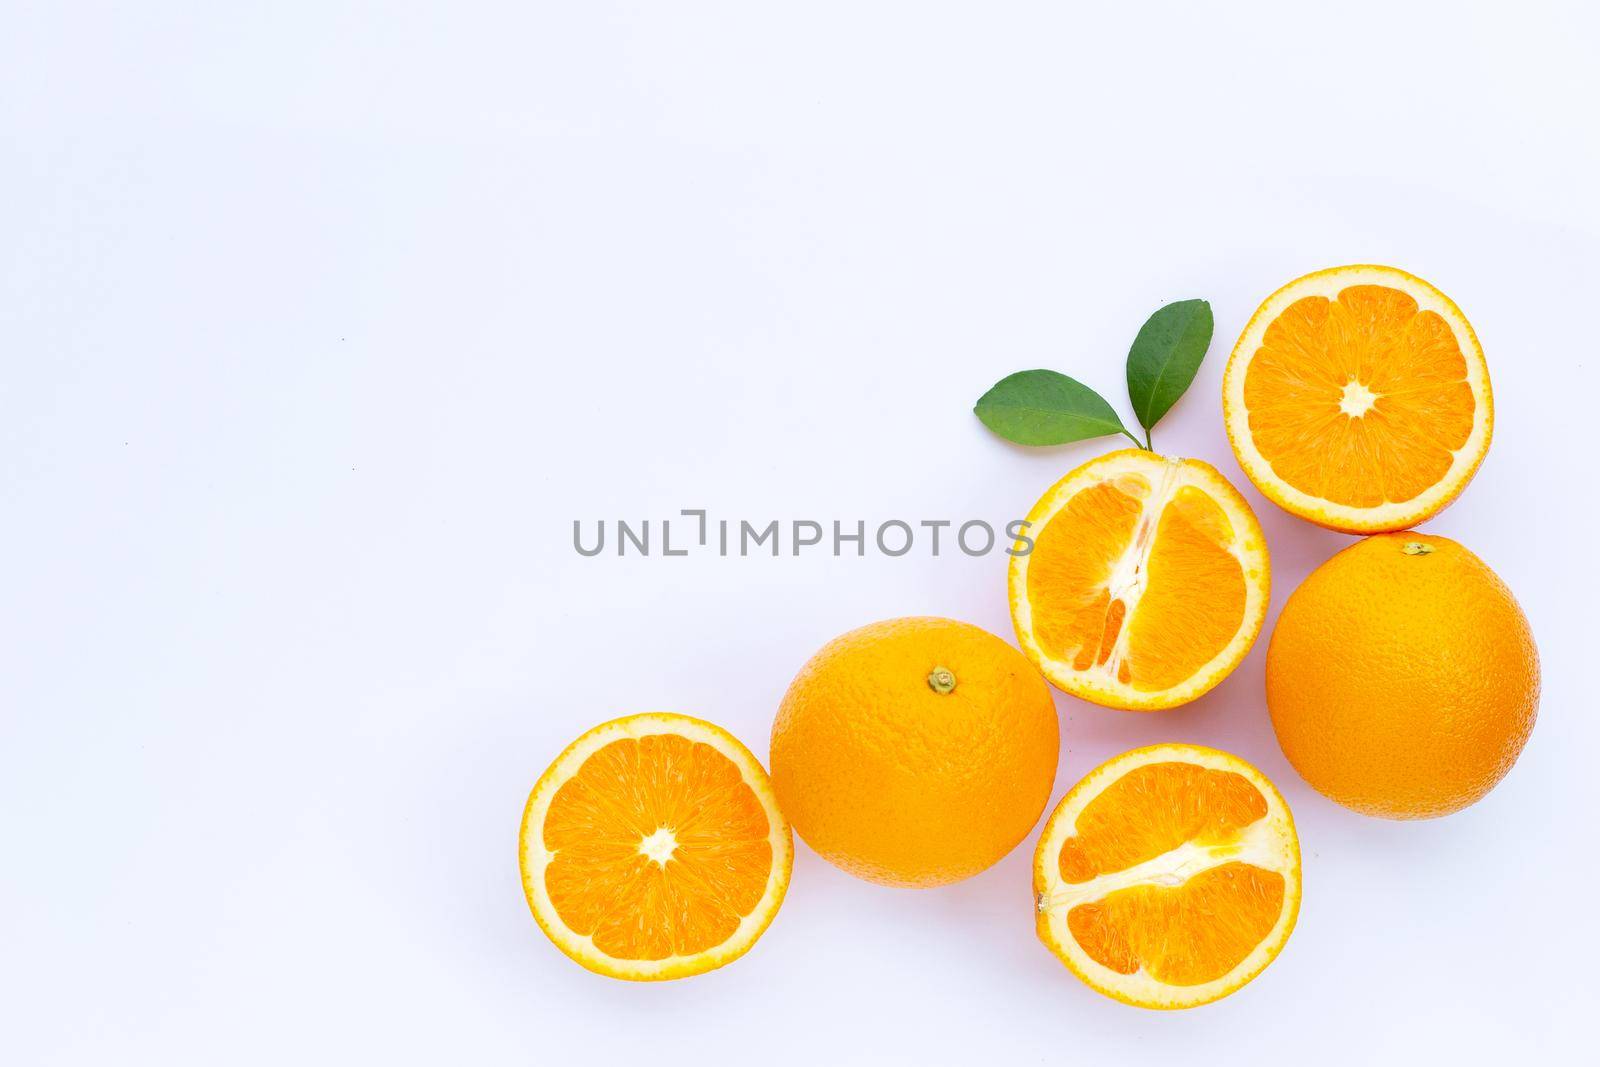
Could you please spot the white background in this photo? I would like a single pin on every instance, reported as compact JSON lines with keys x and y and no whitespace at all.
{"x":321,"y":323}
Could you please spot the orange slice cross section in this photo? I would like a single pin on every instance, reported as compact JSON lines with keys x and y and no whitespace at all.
{"x":1146,"y":582}
{"x":653,"y":848}
{"x":1169,"y":877}
{"x":1358,"y":398}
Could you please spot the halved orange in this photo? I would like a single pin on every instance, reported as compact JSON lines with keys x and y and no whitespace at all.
{"x":653,"y":848}
{"x":1358,"y":398}
{"x":1146,"y":581}
{"x":1169,"y":877}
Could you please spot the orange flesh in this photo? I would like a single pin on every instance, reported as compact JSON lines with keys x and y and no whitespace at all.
{"x":1194,"y":602}
{"x":1193,"y":933}
{"x":1152,"y":810}
{"x":1194,"y":596}
{"x":1185,"y":934}
{"x":1370,"y":346}
{"x":1070,"y":568}
{"x":604,"y":885}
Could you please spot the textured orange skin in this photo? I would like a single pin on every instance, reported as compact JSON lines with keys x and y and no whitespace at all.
{"x":1403,"y":686}
{"x":901,"y":785}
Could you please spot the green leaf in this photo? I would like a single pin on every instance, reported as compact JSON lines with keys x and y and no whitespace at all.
{"x":1042,"y":407}
{"x":1165,"y":357}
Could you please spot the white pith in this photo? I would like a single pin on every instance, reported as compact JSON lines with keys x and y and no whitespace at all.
{"x":1390,"y":515}
{"x":1357,"y":399}
{"x":536,"y":857}
{"x":659,"y":846}
{"x":1129,"y":575}
{"x":1258,"y":845}
{"x":1269,"y":843}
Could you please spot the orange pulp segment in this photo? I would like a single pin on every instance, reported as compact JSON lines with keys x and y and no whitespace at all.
{"x":1169,"y":877}
{"x":653,"y":848}
{"x":1358,"y":398}
{"x":1146,"y":583}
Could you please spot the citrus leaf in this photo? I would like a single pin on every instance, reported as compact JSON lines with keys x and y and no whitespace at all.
{"x":1042,"y":407}
{"x":1165,"y":357}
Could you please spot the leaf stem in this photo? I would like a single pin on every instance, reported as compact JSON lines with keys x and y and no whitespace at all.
{"x":1135,"y":440}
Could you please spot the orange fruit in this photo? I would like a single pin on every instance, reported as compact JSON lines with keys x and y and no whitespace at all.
{"x":1169,"y":877}
{"x":653,"y":848}
{"x":1402,"y":677}
{"x":915,"y":752}
{"x":1146,"y":582}
{"x":1358,"y":398}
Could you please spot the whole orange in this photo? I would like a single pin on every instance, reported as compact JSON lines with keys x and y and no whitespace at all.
{"x":1402,"y":677}
{"x":915,"y":752}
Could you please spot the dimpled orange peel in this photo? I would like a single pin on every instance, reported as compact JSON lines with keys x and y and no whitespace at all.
{"x":1402,"y":677}
{"x":915,"y":752}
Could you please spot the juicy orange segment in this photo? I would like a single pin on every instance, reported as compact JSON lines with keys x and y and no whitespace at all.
{"x":653,"y":848}
{"x":1196,"y":598}
{"x":1069,"y":575}
{"x":1154,"y":929}
{"x":1146,"y":583}
{"x":1169,"y":877}
{"x":1152,"y":810}
{"x":1358,"y":398}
